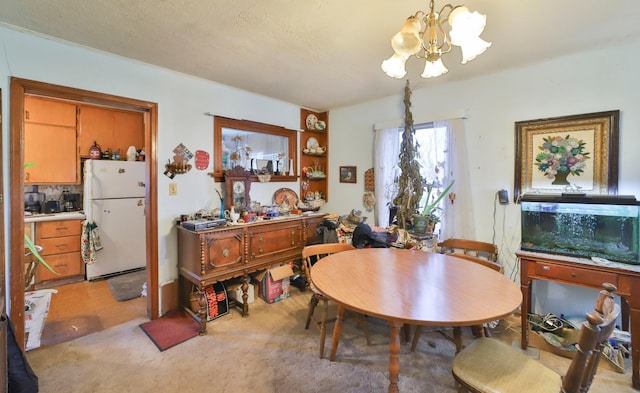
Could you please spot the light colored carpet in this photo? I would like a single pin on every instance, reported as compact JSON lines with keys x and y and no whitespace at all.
{"x":268,"y":352}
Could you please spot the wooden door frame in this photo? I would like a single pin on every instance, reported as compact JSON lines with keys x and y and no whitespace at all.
{"x":4,"y":330}
{"x":20,"y":87}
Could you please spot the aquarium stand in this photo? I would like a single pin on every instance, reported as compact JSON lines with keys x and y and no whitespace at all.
{"x":585,"y":273}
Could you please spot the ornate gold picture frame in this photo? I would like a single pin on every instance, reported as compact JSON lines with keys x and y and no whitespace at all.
{"x":577,"y":153}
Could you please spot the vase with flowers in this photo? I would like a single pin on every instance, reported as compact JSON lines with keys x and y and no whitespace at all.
{"x":560,"y":157}
{"x":424,"y":222}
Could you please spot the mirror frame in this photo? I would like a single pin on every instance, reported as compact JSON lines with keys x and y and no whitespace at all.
{"x":220,"y":122}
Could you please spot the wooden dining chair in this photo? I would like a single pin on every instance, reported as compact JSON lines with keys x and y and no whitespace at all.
{"x":475,"y":248}
{"x":310,"y":255}
{"x":488,"y":365}
{"x":485,"y":254}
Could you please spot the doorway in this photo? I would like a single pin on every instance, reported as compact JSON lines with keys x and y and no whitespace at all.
{"x":18,"y":89}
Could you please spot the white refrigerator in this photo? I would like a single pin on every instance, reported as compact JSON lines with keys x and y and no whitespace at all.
{"x":114,"y":199}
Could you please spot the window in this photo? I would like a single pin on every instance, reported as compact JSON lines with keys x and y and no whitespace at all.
{"x":443,"y":159}
{"x":432,"y":146}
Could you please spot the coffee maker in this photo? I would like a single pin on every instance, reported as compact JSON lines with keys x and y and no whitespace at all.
{"x":33,"y":202}
{"x":70,"y":202}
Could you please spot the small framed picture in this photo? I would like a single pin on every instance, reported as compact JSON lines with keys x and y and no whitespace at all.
{"x":347,"y":174}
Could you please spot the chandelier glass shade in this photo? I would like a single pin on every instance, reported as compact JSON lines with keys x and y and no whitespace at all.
{"x":424,"y":36}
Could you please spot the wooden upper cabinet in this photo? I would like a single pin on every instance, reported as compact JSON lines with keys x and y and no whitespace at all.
{"x":52,"y":151}
{"x":110,"y":128}
{"x":50,"y":141}
{"x":47,"y":111}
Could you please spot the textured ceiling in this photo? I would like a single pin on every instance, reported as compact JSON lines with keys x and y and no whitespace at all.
{"x":320,"y":54}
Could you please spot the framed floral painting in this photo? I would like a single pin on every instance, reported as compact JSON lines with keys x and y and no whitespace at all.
{"x":577,"y":153}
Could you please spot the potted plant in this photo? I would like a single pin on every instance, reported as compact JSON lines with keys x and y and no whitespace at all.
{"x":424,"y":222}
{"x":410,"y":181}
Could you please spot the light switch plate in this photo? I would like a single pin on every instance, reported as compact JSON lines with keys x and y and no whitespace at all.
{"x":173,"y":189}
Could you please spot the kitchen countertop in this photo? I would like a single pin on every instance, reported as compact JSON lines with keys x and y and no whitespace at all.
{"x":54,"y":217}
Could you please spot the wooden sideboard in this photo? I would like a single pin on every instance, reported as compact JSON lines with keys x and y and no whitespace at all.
{"x":208,"y":256}
{"x":585,"y":273}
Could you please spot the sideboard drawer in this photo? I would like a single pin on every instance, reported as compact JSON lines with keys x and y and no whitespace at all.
{"x":573,"y":275}
{"x":270,"y":241}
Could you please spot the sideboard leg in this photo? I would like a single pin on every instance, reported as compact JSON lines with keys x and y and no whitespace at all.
{"x":245,"y":296}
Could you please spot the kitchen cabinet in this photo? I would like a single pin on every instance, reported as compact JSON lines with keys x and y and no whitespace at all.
{"x":311,"y":158}
{"x":60,"y":241}
{"x":48,"y":111}
{"x":50,"y":142}
{"x":218,"y":254}
{"x":110,"y":128}
{"x":52,"y":150}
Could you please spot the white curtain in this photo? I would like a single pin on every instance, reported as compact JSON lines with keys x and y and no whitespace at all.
{"x":457,"y":217}
{"x":386,"y":171}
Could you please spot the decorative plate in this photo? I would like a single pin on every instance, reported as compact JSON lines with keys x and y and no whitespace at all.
{"x":285,"y":195}
{"x":312,"y":143}
{"x":311,"y":122}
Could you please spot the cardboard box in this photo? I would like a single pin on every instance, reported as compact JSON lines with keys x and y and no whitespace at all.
{"x":536,"y":340}
{"x":234,"y":290}
{"x":274,"y":283}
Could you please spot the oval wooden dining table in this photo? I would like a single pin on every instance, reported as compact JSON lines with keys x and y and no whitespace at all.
{"x":412,"y":287}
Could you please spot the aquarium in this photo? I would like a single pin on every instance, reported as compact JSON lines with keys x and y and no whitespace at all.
{"x":603,"y":226}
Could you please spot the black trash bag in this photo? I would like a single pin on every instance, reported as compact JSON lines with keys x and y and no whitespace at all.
{"x":364,"y":237}
{"x":21,"y":378}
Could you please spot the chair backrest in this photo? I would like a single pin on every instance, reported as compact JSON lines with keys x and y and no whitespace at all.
{"x":594,"y":334}
{"x":481,"y":261}
{"x":311,"y":254}
{"x":469,"y":247}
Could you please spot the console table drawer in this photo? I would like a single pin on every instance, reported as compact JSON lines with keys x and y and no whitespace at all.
{"x":574,"y":275}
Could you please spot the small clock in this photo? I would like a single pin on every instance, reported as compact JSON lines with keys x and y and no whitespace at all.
{"x":238,"y":184}
{"x":238,"y":187}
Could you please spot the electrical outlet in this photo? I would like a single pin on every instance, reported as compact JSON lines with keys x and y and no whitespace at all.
{"x":173,"y":189}
{"x":503,"y":197}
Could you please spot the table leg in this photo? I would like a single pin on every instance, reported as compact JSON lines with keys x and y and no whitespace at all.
{"x":337,"y":327}
{"x":394,"y":355}
{"x":457,"y":338}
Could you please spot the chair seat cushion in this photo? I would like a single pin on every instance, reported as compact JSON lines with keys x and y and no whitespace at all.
{"x":478,"y":364}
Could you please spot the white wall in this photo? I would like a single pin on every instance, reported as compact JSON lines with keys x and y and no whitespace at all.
{"x":597,"y":81}
{"x":182,"y":104}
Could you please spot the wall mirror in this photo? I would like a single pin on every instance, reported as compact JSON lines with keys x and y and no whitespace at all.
{"x":257,"y":147}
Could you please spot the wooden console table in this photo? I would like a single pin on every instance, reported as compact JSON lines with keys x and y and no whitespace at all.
{"x":586,"y":273}
{"x":212,"y":255}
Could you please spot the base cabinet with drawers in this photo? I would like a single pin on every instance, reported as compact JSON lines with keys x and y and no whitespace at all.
{"x":213,"y":255}
{"x":585,"y":273}
{"x":60,"y":241}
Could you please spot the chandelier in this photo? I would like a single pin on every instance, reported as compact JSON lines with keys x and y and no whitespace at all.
{"x":431,"y":43}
